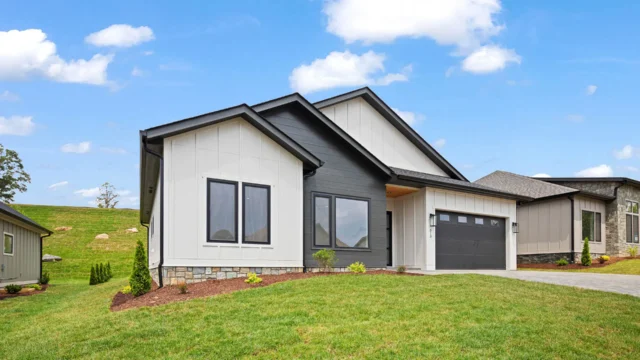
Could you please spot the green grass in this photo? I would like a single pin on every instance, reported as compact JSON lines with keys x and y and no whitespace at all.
{"x":376,"y":317}
{"x":77,"y":247}
{"x":627,"y":267}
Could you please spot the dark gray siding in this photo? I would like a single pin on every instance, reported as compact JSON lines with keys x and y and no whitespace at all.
{"x":345,"y":172}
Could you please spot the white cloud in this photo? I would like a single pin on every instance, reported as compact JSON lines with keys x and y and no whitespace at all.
{"x":92,"y":192}
{"x":450,"y":71}
{"x":591,"y":89}
{"x":137,"y":72}
{"x":541,"y":175}
{"x":28,"y":53}
{"x":123,"y":192}
{"x":439,"y":143}
{"x":174,"y":66}
{"x":409,"y":117}
{"x":57,"y":185}
{"x":631,"y":168}
{"x":625,"y":153}
{"x":120,"y":35}
{"x":340,"y":69}
{"x":596,"y":171}
{"x":80,"y":148}
{"x":117,"y":151}
{"x":489,"y":59}
{"x":9,"y":96}
{"x":16,"y":125}
{"x":576,"y":118}
{"x":147,"y":53}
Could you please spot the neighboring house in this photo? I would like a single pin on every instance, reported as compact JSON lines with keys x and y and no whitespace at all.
{"x":21,"y":260}
{"x":262,"y":188}
{"x":567,"y":210}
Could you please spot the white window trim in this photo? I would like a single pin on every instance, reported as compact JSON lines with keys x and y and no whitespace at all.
{"x":13,"y":244}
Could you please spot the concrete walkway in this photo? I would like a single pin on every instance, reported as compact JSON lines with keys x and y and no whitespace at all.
{"x":622,"y":284}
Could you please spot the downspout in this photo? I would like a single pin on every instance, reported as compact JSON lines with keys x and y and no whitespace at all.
{"x":304,"y":177}
{"x":573,"y":238}
{"x":159,"y":156}
{"x":42,"y":237}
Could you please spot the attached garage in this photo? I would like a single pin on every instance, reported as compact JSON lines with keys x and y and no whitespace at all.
{"x":465,"y":241}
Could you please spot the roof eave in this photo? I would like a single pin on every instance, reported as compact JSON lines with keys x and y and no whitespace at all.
{"x":449,"y":186}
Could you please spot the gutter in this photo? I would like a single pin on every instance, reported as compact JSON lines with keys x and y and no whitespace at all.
{"x":573,"y":225}
{"x":159,"y":156}
{"x":42,"y":237}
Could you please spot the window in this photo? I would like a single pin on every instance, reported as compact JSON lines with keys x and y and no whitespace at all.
{"x":591,"y":226}
{"x":222,"y":211}
{"x":256,"y":217}
{"x":495,"y":223}
{"x":340,"y":222}
{"x":479,"y":221}
{"x":632,"y":222}
{"x":322,"y":216}
{"x":8,"y":244}
{"x":444,"y":217}
{"x":462,"y":219}
{"x":352,"y":223}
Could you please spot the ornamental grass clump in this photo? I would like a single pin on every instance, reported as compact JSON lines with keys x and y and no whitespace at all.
{"x":325,"y":259}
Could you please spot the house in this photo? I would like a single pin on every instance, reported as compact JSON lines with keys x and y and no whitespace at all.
{"x":568,"y":210}
{"x":262,"y":188}
{"x":21,"y":260}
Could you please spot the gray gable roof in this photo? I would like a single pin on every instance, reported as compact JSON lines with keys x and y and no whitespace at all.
{"x":444,"y":182}
{"x":523,"y":185}
{"x":11,"y":212}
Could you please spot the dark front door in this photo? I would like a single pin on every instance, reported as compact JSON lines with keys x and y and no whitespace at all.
{"x":389,"y":236}
{"x":465,"y":241}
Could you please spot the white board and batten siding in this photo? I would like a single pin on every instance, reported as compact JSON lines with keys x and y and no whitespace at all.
{"x":154,"y":230}
{"x":232,"y":150}
{"x":409,"y":228}
{"x":444,"y":200}
{"x":367,"y":126}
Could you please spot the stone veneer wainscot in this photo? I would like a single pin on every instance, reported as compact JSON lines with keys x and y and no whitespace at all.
{"x":173,"y":275}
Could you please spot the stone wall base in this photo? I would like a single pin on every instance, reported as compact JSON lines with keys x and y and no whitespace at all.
{"x":154,"y":275}
{"x":174,"y":275}
{"x":551,"y":258}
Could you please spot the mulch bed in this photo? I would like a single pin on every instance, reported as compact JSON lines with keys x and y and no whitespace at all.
{"x":4,"y":295}
{"x":169,"y":294}
{"x":594,"y":264}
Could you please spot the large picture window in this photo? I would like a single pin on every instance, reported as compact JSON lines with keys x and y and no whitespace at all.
{"x":222,"y":211}
{"x":340,"y":222}
{"x":591,"y":226}
{"x":7,"y":247}
{"x":632,"y":222}
{"x":256,"y":214}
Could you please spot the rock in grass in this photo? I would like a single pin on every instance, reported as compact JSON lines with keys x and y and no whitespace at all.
{"x":102,"y":237}
{"x":51,"y":258}
{"x":63,"y":228}
{"x":131,"y":231}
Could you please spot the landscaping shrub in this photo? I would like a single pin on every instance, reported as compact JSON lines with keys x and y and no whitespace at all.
{"x":253,"y":278}
{"x":109,"y":273}
{"x":126,"y":290}
{"x":182,"y":287}
{"x":585,"y":260}
{"x":358,"y":268}
{"x":402,"y":269}
{"x":140,"y":279}
{"x":34,"y":286}
{"x":325,"y":258}
{"x":93,"y":278}
{"x":603,"y":259}
{"x":13,"y":288}
{"x":633,"y":251}
{"x":44,"y":279}
{"x":99,"y":274}
{"x":562,"y":262}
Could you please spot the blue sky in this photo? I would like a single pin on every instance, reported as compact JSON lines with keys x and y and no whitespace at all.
{"x":524,"y":86}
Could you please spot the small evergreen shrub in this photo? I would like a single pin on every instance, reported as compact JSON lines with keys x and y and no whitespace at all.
{"x":34,"y":286}
{"x":585,"y":260}
{"x":253,"y":278}
{"x":109,"y":273}
{"x":93,"y":278}
{"x":99,"y":274}
{"x":44,"y":279}
{"x":603,"y":259}
{"x":182,"y":287}
{"x":358,"y":268}
{"x":13,"y":288}
{"x":402,"y":269}
{"x":633,"y":251}
{"x":140,"y":279}
{"x":325,"y":258}
{"x":126,"y":290}
{"x":562,"y":262}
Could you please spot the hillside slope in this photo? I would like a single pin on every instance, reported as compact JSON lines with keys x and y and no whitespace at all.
{"x":77,"y":247}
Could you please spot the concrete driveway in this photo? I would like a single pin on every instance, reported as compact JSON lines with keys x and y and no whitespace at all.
{"x":622,"y":284}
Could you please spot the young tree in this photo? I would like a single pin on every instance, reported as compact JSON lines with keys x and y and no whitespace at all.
{"x":586,"y":253}
{"x":12,"y":175}
{"x":93,"y":279}
{"x":140,"y":280}
{"x":107,"y":197}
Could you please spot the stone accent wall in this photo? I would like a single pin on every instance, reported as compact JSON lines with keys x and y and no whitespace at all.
{"x":154,"y":275}
{"x":543,"y":258}
{"x":173,"y":275}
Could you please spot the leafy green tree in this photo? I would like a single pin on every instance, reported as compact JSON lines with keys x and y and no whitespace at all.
{"x":13,"y":177}
{"x":107,"y":197}
{"x":586,"y":253}
{"x":93,"y":279}
{"x":140,"y":280}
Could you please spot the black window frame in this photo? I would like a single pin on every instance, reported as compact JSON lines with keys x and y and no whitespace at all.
{"x":313,"y":220}
{"x":332,"y":221}
{"x":235,"y":213}
{"x":597,"y":235}
{"x":632,"y":215}
{"x":262,"y":186}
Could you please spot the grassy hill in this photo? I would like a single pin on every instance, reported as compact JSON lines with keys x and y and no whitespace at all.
{"x":77,"y":247}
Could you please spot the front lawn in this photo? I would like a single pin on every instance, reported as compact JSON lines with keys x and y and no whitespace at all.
{"x":378,"y":317}
{"x":627,"y":267}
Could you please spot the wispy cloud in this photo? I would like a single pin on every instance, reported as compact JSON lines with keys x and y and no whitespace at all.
{"x":57,"y":185}
{"x":591,"y":89}
{"x":440,"y":143}
{"x":626,"y":152}
{"x":9,"y":96}
{"x":92,"y":192}
{"x":409,"y":117}
{"x":79,"y":148}
{"x":120,"y":35}
{"x":16,"y":125}
{"x":175,"y":66}
{"x":576,"y":118}
{"x":604,"y":60}
{"x":117,"y":151}
{"x":596,"y":171}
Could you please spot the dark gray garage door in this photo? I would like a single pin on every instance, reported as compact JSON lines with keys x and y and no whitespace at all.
{"x":466,"y":241}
